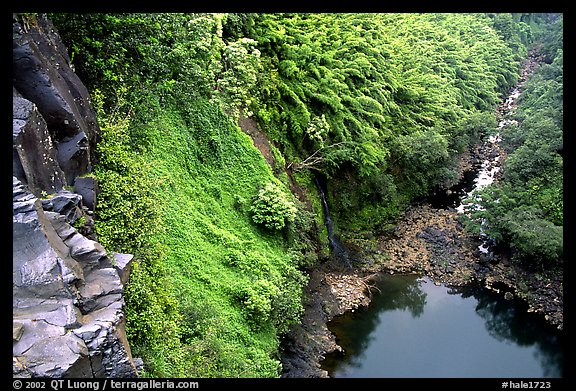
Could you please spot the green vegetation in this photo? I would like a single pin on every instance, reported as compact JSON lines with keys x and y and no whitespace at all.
{"x":525,"y":210}
{"x":210,"y":291}
{"x":272,"y":207}
{"x":380,"y":104}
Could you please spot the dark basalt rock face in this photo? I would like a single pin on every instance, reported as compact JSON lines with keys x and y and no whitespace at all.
{"x":68,"y":316}
{"x":68,"y":305}
{"x":34,"y":155}
{"x":42,"y":74}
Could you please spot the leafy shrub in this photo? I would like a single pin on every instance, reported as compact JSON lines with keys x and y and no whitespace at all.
{"x":272,"y":208}
{"x":318,"y":130}
{"x":534,"y":239}
{"x":239,"y":75}
{"x":256,"y":301}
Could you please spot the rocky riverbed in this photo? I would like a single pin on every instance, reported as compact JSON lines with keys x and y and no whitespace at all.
{"x":427,"y":241}
{"x":331,"y":291}
{"x":433,"y":242}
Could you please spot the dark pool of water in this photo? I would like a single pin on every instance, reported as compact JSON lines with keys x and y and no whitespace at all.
{"x":415,"y":329}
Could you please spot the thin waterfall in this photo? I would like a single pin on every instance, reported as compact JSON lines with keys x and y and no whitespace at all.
{"x":336,"y":247}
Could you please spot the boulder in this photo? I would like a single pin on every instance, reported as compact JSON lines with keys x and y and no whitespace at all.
{"x":65,"y":203}
{"x":87,"y":187}
{"x":34,"y":157}
{"x":50,"y":351}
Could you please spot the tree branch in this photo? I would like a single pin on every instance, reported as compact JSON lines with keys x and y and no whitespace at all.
{"x":312,"y":161}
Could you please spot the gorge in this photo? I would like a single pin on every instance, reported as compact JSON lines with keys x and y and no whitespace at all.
{"x":217,"y":194}
{"x":430,"y":241}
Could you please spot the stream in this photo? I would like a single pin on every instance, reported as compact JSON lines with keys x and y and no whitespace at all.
{"x":415,"y":327}
{"x":430,"y":300}
{"x":336,"y":247}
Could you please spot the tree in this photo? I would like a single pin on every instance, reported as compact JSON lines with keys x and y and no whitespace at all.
{"x":535,"y":241}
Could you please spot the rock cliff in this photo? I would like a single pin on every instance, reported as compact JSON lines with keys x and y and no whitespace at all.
{"x":68,"y":318}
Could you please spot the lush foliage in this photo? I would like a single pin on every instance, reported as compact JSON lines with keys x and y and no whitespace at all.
{"x":525,"y":210}
{"x":210,"y":292}
{"x":399,"y":96}
{"x":272,"y":208}
{"x":238,"y":286}
{"x":381,"y":104}
{"x":167,"y":56}
{"x":129,"y":220}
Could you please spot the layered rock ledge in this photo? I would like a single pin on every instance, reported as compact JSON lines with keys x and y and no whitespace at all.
{"x":67,"y":298}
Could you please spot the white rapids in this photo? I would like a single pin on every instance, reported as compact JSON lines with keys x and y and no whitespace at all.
{"x":489,"y":168}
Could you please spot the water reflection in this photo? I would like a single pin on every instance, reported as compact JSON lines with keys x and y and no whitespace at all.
{"x":508,"y":322}
{"x":355,"y":331}
{"x":399,"y":293}
{"x":416,"y":329}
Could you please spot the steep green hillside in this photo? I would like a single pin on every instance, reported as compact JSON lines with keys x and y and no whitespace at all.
{"x":385,"y":102}
{"x":222,"y":287}
{"x":382,"y":105}
{"x":212,"y":289}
